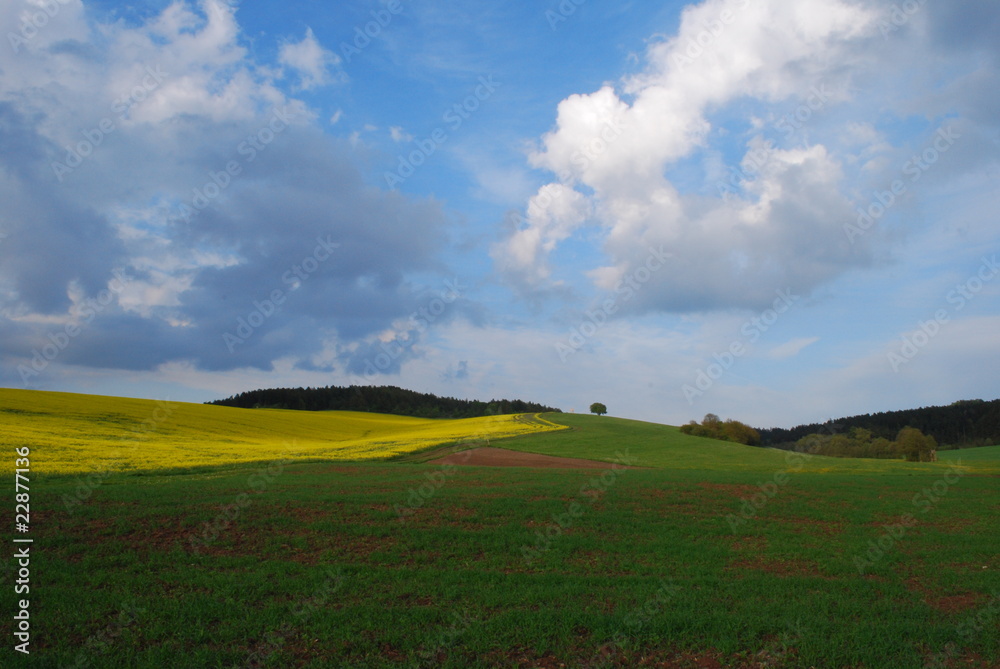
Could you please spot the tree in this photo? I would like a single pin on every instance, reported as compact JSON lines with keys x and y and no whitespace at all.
{"x":739,"y":433}
{"x":712,"y":427}
{"x":914,"y":446}
{"x":598,"y":408}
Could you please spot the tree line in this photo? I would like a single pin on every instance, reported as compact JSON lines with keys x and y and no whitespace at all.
{"x":377,"y":399}
{"x":963,"y":424}
{"x":910,"y":444}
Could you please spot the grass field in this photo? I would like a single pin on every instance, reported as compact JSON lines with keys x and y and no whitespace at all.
{"x":662,"y":446}
{"x":714,"y":556}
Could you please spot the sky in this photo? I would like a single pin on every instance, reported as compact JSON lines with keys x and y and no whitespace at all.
{"x":775,"y":212}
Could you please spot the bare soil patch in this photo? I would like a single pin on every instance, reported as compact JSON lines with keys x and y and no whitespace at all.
{"x":736,"y":490}
{"x":778,"y":566}
{"x":945,"y":603}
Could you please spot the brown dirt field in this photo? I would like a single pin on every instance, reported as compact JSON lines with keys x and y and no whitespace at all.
{"x":501,"y":457}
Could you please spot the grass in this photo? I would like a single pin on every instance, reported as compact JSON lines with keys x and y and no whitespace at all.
{"x":71,"y":433}
{"x":979,"y":458}
{"x":390,"y":564}
{"x":663,"y":446}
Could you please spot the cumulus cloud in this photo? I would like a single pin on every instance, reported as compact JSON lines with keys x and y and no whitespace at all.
{"x":167,"y":201}
{"x":776,"y":219}
{"x":552,"y":216}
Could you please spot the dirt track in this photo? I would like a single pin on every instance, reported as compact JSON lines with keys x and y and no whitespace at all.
{"x":501,"y":457}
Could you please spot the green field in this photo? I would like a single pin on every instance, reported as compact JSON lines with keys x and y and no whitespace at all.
{"x":666,"y":447}
{"x":714,"y":555}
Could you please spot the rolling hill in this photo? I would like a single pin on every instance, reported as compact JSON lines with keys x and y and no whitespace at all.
{"x":71,"y":433}
{"x":663,"y":446}
{"x":80,"y":433}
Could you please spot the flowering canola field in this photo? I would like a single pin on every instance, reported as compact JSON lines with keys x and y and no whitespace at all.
{"x":69,"y":433}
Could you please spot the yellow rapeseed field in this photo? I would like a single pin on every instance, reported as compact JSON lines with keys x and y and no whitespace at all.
{"x":70,"y":433}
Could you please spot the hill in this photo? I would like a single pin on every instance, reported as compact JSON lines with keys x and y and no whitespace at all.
{"x":666,"y":447}
{"x":378,"y":399}
{"x":961,"y":424}
{"x":70,"y":433}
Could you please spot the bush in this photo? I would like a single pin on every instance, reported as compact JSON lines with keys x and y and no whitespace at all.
{"x":730,"y":430}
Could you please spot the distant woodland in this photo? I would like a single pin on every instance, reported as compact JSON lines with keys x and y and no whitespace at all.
{"x":960,"y":425}
{"x":377,"y":399}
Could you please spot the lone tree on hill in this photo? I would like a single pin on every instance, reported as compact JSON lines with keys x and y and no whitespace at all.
{"x":598,"y":408}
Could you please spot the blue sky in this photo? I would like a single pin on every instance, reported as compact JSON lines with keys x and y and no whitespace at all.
{"x":777,"y":213}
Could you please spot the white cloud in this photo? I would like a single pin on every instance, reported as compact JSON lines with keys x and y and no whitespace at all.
{"x":782,"y":230}
{"x":399,"y":135}
{"x":315,"y":65}
{"x":553,"y":214}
